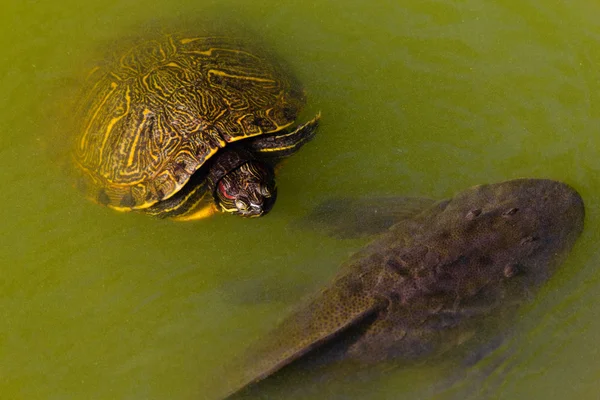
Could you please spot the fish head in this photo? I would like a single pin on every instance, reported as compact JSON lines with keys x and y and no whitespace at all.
{"x":520,"y":228}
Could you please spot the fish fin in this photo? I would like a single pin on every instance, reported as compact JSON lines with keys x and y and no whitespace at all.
{"x":482,"y":371}
{"x":331,"y":312}
{"x":348,"y":218}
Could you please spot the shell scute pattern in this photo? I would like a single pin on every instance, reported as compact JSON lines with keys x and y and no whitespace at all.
{"x":152,"y":117}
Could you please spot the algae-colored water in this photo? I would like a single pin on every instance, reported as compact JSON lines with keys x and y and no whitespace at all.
{"x":419,"y":98}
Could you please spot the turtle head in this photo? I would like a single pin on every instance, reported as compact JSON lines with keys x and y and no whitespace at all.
{"x":248,"y":190}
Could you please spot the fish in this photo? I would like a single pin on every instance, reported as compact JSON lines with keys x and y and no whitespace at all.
{"x":429,"y":282}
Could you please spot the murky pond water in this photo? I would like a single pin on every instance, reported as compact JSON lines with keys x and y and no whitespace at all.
{"x":419,"y":98}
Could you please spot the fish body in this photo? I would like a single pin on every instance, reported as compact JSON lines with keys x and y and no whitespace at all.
{"x":431,"y":281}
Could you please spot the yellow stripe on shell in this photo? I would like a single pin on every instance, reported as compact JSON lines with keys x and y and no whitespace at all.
{"x":212,"y":49}
{"x":294,"y":132}
{"x":113,"y":121}
{"x":185,"y":200}
{"x":93,"y":71}
{"x":132,"y":151}
{"x":244,"y":77}
{"x":190,"y":40}
{"x":83,"y":140}
{"x":143,"y":206}
{"x":178,"y":186}
{"x":277,"y":127}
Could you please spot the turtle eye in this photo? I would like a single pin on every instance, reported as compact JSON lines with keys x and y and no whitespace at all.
{"x":264,"y":190}
{"x":241,"y":205}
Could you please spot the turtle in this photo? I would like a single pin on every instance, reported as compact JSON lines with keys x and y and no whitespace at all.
{"x":182,"y":126}
{"x":426,"y":284}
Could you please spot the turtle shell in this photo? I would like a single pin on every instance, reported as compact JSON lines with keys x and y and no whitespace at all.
{"x":149,"y":118}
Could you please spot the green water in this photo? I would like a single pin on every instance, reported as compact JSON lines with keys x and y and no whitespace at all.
{"x":418,"y":98}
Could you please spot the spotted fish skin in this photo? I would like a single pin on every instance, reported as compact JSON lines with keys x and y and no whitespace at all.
{"x":431,"y":282}
{"x":478,"y":256}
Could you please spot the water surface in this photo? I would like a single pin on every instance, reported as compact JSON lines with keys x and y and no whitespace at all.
{"x":419,"y":98}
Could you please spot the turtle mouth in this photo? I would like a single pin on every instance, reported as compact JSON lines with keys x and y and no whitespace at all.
{"x":258,"y":209}
{"x":246,"y":204}
{"x":253,"y":212}
{"x":255,"y":204}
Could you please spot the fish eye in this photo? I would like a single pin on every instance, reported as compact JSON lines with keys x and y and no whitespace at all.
{"x":511,"y":270}
{"x":511,"y":211}
{"x":528,"y":239}
{"x":473,"y":213}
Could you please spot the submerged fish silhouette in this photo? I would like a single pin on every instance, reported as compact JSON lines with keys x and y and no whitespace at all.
{"x":430,"y":282}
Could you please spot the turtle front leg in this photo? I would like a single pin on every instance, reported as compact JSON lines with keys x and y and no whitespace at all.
{"x":281,"y":145}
